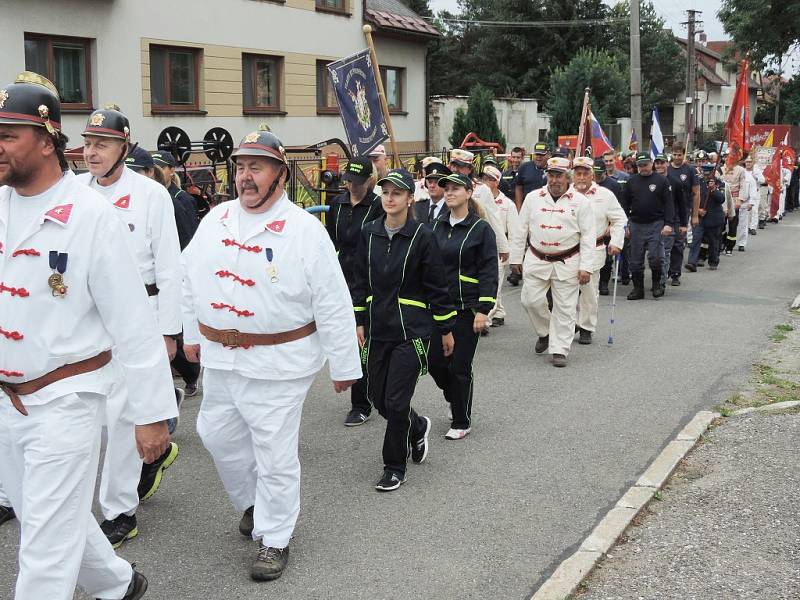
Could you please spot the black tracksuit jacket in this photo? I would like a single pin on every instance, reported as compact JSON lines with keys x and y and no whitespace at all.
{"x":344,"y":223}
{"x":400,"y":284}
{"x":469,"y":252}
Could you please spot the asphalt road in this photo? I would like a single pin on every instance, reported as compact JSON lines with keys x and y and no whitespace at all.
{"x":491,"y":516}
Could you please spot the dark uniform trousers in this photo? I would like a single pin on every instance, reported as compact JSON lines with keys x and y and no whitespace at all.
{"x":646,"y":238}
{"x":188,"y":371}
{"x":359,"y":399}
{"x":453,"y":374}
{"x":392,"y":373}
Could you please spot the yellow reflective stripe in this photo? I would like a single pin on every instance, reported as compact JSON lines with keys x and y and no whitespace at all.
{"x":359,"y":308}
{"x":487,"y":299}
{"x":467,"y":279}
{"x":444,"y":317}
{"x":369,"y":298}
{"x":412,"y":302}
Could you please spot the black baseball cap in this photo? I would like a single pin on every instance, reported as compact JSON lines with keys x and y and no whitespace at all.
{"x":139,"y":159}
{"x":643,"y":157}
{"x":400,"y":178}
{"x":599,"y":165}
{"x":164,"y":159}
{"x":458,"y":179}
{"x":358,"y":169}
{"x":540,"y":148}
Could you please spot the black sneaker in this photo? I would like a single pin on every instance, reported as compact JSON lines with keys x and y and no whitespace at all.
{"x":752,"y":232}
{"x":137,"y":587}
{"x":390,"y":481}
{"x":585,"y":337}
{"x":542,"y":344}
{"x":246,"y":523}
{"x":190,"y":389}
{"x":741,"y":248}
{"x":270,"y":563}
{"x":6,"y":514}
{"x":603,"y":289}
{"x":728,"y":252}
{"x":172,"y":424}
{"x":419,"y":449}
{"x":691,"y":267}
{"x":151,"y":476}
{"x":498,"y":321}
{"x":120,"y":530}
{"x":676,"y":281}
{"x":355,"y":418}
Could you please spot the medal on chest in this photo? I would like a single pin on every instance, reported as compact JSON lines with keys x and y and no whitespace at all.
{"x":272,"y":271}
{"x":58,"y":263}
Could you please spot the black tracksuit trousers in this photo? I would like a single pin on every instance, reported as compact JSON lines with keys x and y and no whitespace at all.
{"x":392,"y":372}
{"x":453,"y":374}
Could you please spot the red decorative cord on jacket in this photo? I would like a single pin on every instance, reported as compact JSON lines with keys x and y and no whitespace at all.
{"x":26,"y":252}
{"x":230,"y":242}
{"x":11,"y":335}
{"x":551,"y":226}
{"x":558,"y":210}
{"x":223,"y":273}
{"x":550,"y":243}
{"x":12,"y":373}
{"x":21,"y":292}
{"x":233,"y":309}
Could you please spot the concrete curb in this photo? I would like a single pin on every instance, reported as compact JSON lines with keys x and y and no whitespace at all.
{"x":569,"y":574}
{"x":768,"y":407}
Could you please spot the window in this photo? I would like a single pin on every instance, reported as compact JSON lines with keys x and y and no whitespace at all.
{"x":326,"y":97}
{"x":338,"y":6}
{"x":67,"y":63}
{"x":261,"y":83}
{"x":392,"y":78}
{"x":174,"y":74}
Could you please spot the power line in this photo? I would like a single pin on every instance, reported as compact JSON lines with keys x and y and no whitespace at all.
{"x":529,"y":24}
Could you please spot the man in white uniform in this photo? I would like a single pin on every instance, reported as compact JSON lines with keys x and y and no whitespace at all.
{"x":69,"y":294}
{"x":509,"y":220}
{"x":6,"y":510}
{"x":145,"y":209}
{"x":266,"y":301}
{"x":556,"y":237}
{"x":609,"y":220}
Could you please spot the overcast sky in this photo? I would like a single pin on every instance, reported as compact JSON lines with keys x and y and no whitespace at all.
{"x":673,"y":11}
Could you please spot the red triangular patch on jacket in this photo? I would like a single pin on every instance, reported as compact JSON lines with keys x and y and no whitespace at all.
{"x":60,"y":213}
{"x":276,"y":226}
{"x":124,"y":202}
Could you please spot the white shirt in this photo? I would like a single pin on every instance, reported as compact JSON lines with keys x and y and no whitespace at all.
{"x":608,"y":217}
{"x":553,"y":227}
{"x":227,"y":285}
{"x":483,"y":196}
{"x":105,"y":305}
{"x":146,"y":209}
{"x":507,"y":210}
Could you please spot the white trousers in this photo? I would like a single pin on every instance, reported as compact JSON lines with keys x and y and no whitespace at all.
{"x":49,"y":464}
{"x":560,"y":325}
{"x":498,"y":312}
{"x":4,"y":501}
{"x":743,"y":228}
{"x":251,"y":428}
{"x":122,"y":466}
{"x":754,"y":213}
{"x":588,"y":303}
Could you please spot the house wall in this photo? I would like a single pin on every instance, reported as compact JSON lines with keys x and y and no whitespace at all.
{"x":122,"y":31}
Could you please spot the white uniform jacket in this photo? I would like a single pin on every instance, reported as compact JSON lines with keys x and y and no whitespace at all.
{"x":483,"y":196}
{"x":553,"y":227}
{"x":507,"y":213}
{"x":609,"y":219}
{"x":105,"y":306}
{"x":277,"y":279}
{"x":145,"y":207}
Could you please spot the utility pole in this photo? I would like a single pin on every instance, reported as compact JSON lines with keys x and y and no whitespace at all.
{"x":691,"y":77}
{"x":636,"y":74}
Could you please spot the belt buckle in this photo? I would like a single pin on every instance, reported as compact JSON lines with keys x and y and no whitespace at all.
{"x":229,"y":338}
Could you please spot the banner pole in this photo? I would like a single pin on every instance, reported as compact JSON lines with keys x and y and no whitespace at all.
{"x":367,"y":29}
{"x":582,"y":127}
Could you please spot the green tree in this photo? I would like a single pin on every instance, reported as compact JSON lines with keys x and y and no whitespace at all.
{"x":480,"y":118}
{"x":663,"y":62}
{"x":597,"y":70}
{"x":421,"y":7}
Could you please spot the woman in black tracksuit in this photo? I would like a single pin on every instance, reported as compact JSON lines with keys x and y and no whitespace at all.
{"x":348,"y":214}
{"x":469,"y":251}
{"x":401,"y":302}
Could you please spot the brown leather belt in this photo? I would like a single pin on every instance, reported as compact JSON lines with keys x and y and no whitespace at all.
{"x":233,"y":338}
{"x":15,"y":390}
{"x":152,"y":289}
{"x":560,"y":257}
{"x":601,"y":241}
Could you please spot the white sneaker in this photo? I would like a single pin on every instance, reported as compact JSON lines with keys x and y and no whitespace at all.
{"x":457,"y":434}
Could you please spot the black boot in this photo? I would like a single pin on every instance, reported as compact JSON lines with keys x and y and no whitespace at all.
{"x":762,"y":223}
{"x":658,"y":285}
{"x":637,"y":293}
{"x":603,"y":288}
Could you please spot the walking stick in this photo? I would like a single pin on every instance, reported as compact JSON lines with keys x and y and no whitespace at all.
{"x":614,"y":299}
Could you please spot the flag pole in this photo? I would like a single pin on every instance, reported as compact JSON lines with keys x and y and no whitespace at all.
{"x":367,"y":29}
{"x":582,"y":128}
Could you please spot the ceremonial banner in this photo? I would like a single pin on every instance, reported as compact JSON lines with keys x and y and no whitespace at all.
{"x":359,"y":103}
{"x":737,"y":125}
{"x":656,"y":138}
{"x":633,"y":143}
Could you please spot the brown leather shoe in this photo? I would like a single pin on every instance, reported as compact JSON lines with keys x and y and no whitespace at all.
{"x":559,"y":360}
{"x":541,"y":344}
{"x":270,"y":563}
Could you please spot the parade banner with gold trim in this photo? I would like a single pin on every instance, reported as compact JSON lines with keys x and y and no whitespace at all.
{"x":359,"y":103}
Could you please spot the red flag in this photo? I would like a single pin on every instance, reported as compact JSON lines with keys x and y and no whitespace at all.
{"x":737,"y":125}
